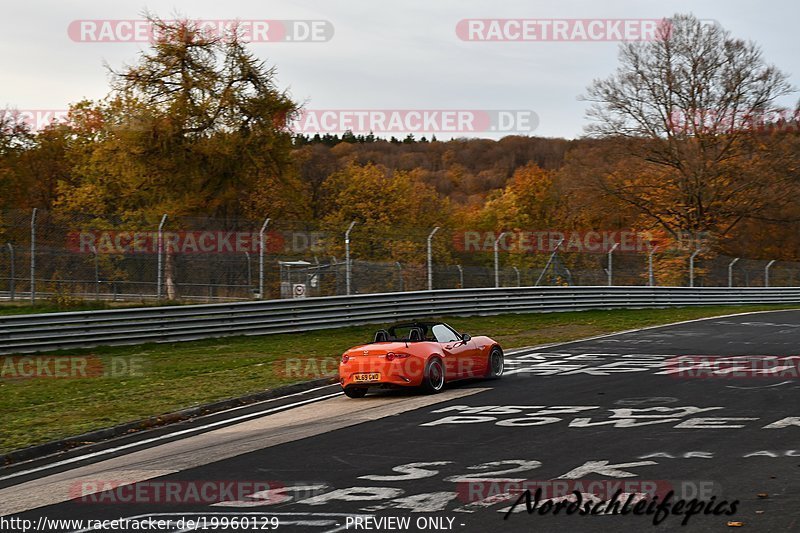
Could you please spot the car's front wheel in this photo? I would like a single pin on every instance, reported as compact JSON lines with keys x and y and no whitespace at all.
{"x":433,"y":381}
{"x":355,"y":392}
{"x":496,"y":363}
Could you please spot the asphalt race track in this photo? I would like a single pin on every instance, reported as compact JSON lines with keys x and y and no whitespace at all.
{"x":600,"y":415}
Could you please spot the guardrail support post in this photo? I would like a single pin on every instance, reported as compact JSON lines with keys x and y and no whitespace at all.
{"x":650,"y":276}
{"x":11,"y":271}
{"x":611,"y":264}
{"x":430,"y":258}
{"x":730,"y":272}
{"x":261,"y":247}
{"x":347,"y":267}
{"x":550,"y":260}
{"x":160,"y":238}
{"x":766,"y":272}
{"x":33,"y":256}
{"x":497,"y":259}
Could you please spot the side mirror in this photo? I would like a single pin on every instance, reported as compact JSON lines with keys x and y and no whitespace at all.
{"x":466,"y":337}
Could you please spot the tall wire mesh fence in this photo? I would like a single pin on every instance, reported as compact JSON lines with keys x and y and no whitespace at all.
{"x":47,"y":255}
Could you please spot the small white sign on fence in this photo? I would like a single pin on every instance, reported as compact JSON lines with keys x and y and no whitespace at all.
{"x":298,"y":290}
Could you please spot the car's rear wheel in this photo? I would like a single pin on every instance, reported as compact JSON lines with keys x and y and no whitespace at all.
{"x":355,"y":392}
{"x":495,"y":364}
{"x":433,"y":381}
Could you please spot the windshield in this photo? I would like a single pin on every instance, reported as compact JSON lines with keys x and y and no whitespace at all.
{"x":444,"y":333}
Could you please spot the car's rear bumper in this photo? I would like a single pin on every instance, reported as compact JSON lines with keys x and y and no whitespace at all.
{"x":397,"y":373}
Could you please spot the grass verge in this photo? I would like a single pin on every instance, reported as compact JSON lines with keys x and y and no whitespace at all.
{"x":20,"y":307}
{"x":152,"y":379}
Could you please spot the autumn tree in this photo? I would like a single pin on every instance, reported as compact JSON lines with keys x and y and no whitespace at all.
{"x":197,"y":125}
{"x":15,"y":139}
{"x":393,"y":210}
{"x":529,"y":202}
{"x":315,"y":162}
{"x":681,"y":110}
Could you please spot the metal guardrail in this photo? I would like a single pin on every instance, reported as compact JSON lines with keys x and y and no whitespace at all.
{"x":53,"y":331}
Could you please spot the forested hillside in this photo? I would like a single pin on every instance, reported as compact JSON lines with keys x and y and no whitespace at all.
{"x":206,"y":136}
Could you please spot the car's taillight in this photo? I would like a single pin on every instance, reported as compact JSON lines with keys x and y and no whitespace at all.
{"x":345,"y":358}
{"x":391,"y":355}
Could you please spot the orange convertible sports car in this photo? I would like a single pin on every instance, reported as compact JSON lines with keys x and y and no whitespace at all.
{"x":418,"y":354}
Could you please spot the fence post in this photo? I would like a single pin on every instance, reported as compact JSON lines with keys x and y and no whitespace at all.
{"x":691,"y":266}
{"x":730,"y":272}
{"x":430,"y":259}
{"x":651,"y":277}
{"x":519,"y":279}
{"x":460,"y":276}
{"x":497,"y":260}
{"x":11,"y":271}
{"x":33,"y":256}
{"x":400,"y":275}
{"x":611,"y":264}
{"x":347,"y":266}
{"x":96,"y":274}
{"x":337,"y":275}
{"x":261,"y":248}
{"x":160,"y":255}
{"x":766,"y":272}
{"x":249,"y":275}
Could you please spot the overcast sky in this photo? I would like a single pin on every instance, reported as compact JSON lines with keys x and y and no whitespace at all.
{"x":383,"y":55}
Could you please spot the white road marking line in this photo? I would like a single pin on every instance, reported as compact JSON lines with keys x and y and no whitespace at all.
{"x":249,"y":405}
{"x":759,"y":387}
{"x":270,"y":400}
{"x":167,"y":436}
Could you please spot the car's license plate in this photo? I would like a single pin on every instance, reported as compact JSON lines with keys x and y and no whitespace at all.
{"x":372,"y":376}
